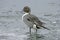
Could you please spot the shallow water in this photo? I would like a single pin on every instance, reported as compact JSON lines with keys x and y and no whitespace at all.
{"x":13,"y":28}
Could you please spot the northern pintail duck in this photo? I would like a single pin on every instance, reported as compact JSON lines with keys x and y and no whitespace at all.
{"x":31,"y":20}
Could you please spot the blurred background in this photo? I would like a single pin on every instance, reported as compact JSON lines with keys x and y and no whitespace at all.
{"x":13,"y":28}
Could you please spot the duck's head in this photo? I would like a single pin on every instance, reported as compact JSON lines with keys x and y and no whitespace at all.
{"x":26,"y":9}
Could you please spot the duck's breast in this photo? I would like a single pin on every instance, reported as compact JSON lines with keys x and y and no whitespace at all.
{"x":26,"y":20}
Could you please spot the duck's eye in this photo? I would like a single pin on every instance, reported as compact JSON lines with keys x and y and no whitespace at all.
{"x":28,"y":19}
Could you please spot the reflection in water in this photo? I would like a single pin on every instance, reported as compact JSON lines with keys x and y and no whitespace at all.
{"x":35,"y":36}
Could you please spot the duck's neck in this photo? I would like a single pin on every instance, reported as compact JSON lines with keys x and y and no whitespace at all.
{"x":27,"y":13}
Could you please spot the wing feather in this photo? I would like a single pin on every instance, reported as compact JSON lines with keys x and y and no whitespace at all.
{"x":37,"y":22}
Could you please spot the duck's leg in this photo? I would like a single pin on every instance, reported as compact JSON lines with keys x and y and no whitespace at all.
{"x":36,"y":34}
{"x":30,"y":30}
{"x":36,"y":31}
{"x":30,"y":33}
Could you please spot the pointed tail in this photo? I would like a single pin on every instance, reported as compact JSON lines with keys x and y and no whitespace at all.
{"x":45,"y":28}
